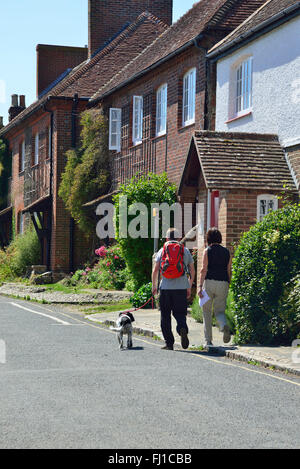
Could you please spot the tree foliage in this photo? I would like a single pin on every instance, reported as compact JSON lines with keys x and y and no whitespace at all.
{"x":149,"y":189}
{"x":5,"y":172}
{"x":266,"y":261}
{"x":86,"y":175}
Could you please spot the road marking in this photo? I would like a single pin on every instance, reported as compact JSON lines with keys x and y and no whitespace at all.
{"x":42,"y":314}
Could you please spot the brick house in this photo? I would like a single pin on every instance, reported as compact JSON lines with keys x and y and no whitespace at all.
{"x":158,"y":99}
{"x":238,"y":171}
{"x":39,"y":135}
{"x":164,"y":109}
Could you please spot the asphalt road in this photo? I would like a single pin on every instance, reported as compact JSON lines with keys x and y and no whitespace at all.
{"x":65,"y":384}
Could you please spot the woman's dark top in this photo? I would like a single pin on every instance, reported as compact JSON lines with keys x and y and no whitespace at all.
{"x":218,"y":260}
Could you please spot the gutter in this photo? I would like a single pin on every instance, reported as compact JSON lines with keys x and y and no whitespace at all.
{"x":192,"y":42}
{"x":263,"y":28}
{"x":39,"y":106}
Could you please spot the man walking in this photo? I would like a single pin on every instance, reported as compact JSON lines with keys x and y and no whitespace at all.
{"x":174,"y":262}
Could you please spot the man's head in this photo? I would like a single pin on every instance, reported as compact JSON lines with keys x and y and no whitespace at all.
{"x":172,"y":235}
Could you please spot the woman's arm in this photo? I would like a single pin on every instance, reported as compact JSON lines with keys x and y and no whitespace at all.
{"x":229,"y":269}
{"x":203,"y":272}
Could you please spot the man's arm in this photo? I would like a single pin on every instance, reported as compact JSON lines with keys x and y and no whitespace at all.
{"x":155,"y":273}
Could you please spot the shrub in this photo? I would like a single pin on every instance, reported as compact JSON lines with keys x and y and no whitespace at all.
{"x":23,"y":252}
{"x":5,"y":172}
{"x":149,"y":189}
{"x":109,"y":273}
{"x":142,"y":296}
{"x":290,"y":307}
{"x":267,"y":258}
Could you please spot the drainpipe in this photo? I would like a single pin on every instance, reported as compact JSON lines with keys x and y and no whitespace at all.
{"x":204,"y":49}
{"x":49,"y":227}
{"x":74,"y":141}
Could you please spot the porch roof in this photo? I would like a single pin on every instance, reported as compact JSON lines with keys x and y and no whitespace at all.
{"x":240,"y":161}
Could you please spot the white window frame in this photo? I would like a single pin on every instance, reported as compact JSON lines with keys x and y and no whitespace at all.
{"x":189,"y":98}
{"x":36,"y":148}
{"x":243,"y":87}
{"x":22,"y":159}
{"x":21,"y":223}
{"x":270,"y":199}
{"x":137,"y":122}
{"x":115,"y":120}
{"x":161,"y":110}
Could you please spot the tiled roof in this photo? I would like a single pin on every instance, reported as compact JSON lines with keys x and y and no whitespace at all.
{"x":86,"y":78}
{"x":242,"y":160}
{"x":269,"y":12}
{"x":205,"y":15}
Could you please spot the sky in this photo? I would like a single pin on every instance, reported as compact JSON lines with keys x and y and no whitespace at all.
{"x":26,"y":23}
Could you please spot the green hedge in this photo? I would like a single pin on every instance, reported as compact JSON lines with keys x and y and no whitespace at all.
{"x":266,"y":260}
{"x":149,"y":189}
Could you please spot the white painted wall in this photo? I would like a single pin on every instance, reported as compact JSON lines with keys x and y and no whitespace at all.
{"x":276,"y":85}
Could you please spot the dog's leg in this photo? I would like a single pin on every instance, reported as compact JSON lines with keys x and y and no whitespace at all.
{"x":121,"y":340}
{"x":129,"y":340}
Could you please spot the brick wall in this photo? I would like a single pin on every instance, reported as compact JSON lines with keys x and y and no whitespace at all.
{"x":108,"y":17}
{"x":52,"y":61}
{"x":167,"y":153}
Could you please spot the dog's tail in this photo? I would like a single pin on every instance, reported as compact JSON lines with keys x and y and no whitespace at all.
{"x":117,"y":329}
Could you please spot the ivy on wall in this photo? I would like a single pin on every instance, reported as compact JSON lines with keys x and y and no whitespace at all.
{"x":86,"y":175}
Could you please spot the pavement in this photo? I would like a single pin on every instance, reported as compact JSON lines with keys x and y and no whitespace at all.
{"x":147,"y":323}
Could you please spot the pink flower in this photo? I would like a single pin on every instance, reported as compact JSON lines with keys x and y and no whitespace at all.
{"x":101,"y":252}
{"x":117,"y":257}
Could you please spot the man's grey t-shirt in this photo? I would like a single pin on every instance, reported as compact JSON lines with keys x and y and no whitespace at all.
{"x":181,"y":283}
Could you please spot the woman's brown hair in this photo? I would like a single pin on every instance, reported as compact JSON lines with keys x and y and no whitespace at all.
{"x":213,"y":236}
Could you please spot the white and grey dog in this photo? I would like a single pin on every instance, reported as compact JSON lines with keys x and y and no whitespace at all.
{"x":124,"y":327}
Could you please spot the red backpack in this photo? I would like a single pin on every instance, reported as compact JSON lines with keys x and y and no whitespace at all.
{"x":172,"y":265}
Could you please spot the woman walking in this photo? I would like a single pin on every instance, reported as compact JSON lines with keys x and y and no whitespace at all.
{"x":215,"y":278}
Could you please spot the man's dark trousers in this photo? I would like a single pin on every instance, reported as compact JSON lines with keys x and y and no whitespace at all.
{"x":173,"y":301}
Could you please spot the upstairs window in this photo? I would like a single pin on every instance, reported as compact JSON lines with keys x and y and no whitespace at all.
{"x":137,"y":132}
{"x":21,"y":223}
{"x":22,"y":157}
{"x":189,"y":98}
{"x":161,"y":110}
{"x":36,"y":149}
{"x":243,"y":95}
{"x":115,"y":117}
{"x":266,"y":203}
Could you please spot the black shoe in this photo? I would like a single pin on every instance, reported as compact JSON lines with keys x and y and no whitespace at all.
{"x":166,"y":347}
{"x":184,"y":339}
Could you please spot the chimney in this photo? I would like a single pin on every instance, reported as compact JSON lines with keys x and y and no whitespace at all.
{"x":107,"y":18}
{"x":54,"y":61}
{"x":16,"y":106}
